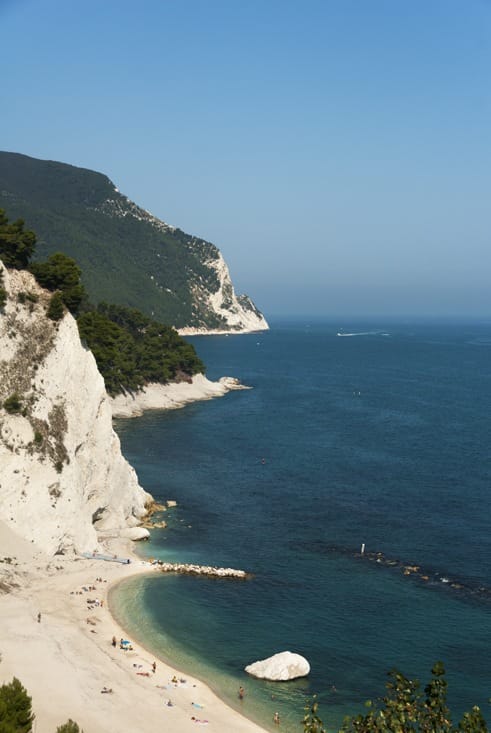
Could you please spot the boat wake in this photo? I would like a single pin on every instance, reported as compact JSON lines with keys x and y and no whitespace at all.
{"x":363,"y":333}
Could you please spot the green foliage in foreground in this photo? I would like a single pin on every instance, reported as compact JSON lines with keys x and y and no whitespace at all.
{"x":16,"y":714}
{"x":15,"y":708}
{"x":406,"y":709}
{"x":311,"y":721}
{"x":131,"y":350}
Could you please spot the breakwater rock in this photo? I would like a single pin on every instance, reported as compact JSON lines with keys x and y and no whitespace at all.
{"x":430,"y":577}
{"x":207,"y":570}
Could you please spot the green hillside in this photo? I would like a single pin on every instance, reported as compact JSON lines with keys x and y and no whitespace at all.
{"x":127,"y":256}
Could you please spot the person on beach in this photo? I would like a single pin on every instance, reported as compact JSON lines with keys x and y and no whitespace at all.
{"x":276,"y":718}
{"x":114,"y":641}
{"x":241,"y":693}
{"x":154,"y":667}
{"x":39,"y":618}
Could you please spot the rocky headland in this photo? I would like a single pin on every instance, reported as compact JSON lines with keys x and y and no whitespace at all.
{"x":62,"y":474}
{"x":172,"y":396}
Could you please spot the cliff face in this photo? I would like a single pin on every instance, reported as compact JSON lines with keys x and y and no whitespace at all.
{"x":62,"y":474}
{"x":128,"y":256}
{"x":218,"y":301}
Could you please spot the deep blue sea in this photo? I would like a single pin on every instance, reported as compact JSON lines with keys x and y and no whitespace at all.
{"x":381,"y":437}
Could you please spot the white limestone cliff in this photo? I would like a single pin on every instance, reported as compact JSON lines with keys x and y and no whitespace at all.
{"x":237,"y":312}
{"x":210,"y":303}
{"x":62,"y":475}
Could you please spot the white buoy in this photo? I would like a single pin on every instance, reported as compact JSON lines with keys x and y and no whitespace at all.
{"x":363,"y":549}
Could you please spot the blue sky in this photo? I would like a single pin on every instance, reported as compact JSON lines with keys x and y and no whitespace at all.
{"x":338,"y":151}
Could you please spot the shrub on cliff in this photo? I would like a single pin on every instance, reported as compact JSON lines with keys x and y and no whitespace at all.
{"x":61,"y":273}
{"x":13,"y":405}
{"x":3,"y":292}
{"x":56,"y":309}
{"x":17,"y":245}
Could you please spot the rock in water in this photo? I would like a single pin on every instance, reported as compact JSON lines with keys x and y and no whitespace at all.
{"x":135,"y":533}
{"x":281,"y":666}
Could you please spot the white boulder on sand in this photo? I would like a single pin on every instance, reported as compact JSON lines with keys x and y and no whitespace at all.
{"x":282,"y":666}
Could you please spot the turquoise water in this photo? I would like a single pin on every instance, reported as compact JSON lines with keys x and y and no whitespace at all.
{"x":379,"y":438}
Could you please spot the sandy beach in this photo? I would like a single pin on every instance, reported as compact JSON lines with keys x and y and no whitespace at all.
{"x":66,"y":659}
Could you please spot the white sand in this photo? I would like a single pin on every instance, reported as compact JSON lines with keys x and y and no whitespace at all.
{"x":64,"y":662}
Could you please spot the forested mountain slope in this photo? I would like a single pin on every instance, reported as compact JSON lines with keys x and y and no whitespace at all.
{"x":127,"y":256}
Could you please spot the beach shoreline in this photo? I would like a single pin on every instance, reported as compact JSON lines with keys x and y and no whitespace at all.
{"x":66,"y":659}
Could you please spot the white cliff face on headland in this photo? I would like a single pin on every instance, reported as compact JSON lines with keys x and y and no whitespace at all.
{"x":237,"y":313}
{"x":62,"y":474}
{"x":213,"y":299}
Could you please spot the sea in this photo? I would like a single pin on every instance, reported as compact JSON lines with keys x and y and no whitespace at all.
{"x":353,"y":482}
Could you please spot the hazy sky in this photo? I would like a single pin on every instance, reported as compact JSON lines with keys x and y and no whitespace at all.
{"x":337,"y":151}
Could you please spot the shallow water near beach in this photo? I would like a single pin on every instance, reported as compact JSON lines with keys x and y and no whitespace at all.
{"x":378,"y":438}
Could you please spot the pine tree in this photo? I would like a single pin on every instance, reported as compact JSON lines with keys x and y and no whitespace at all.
{"x":56,"y":308}
{"x":16,"y":245}
{"x":405,"y":709}
{"x":15,"y":708}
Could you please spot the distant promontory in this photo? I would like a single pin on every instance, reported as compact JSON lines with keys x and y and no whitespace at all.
{"x":128,"y":257}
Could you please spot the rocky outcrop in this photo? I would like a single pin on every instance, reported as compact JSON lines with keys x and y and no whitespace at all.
{"x":213,"y":298}
{"x":171,"y":396}
{"x":135,"y":533}
{"x":236,"y":313}
{"x":62,"y":474}
{"x":282,"y":666}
